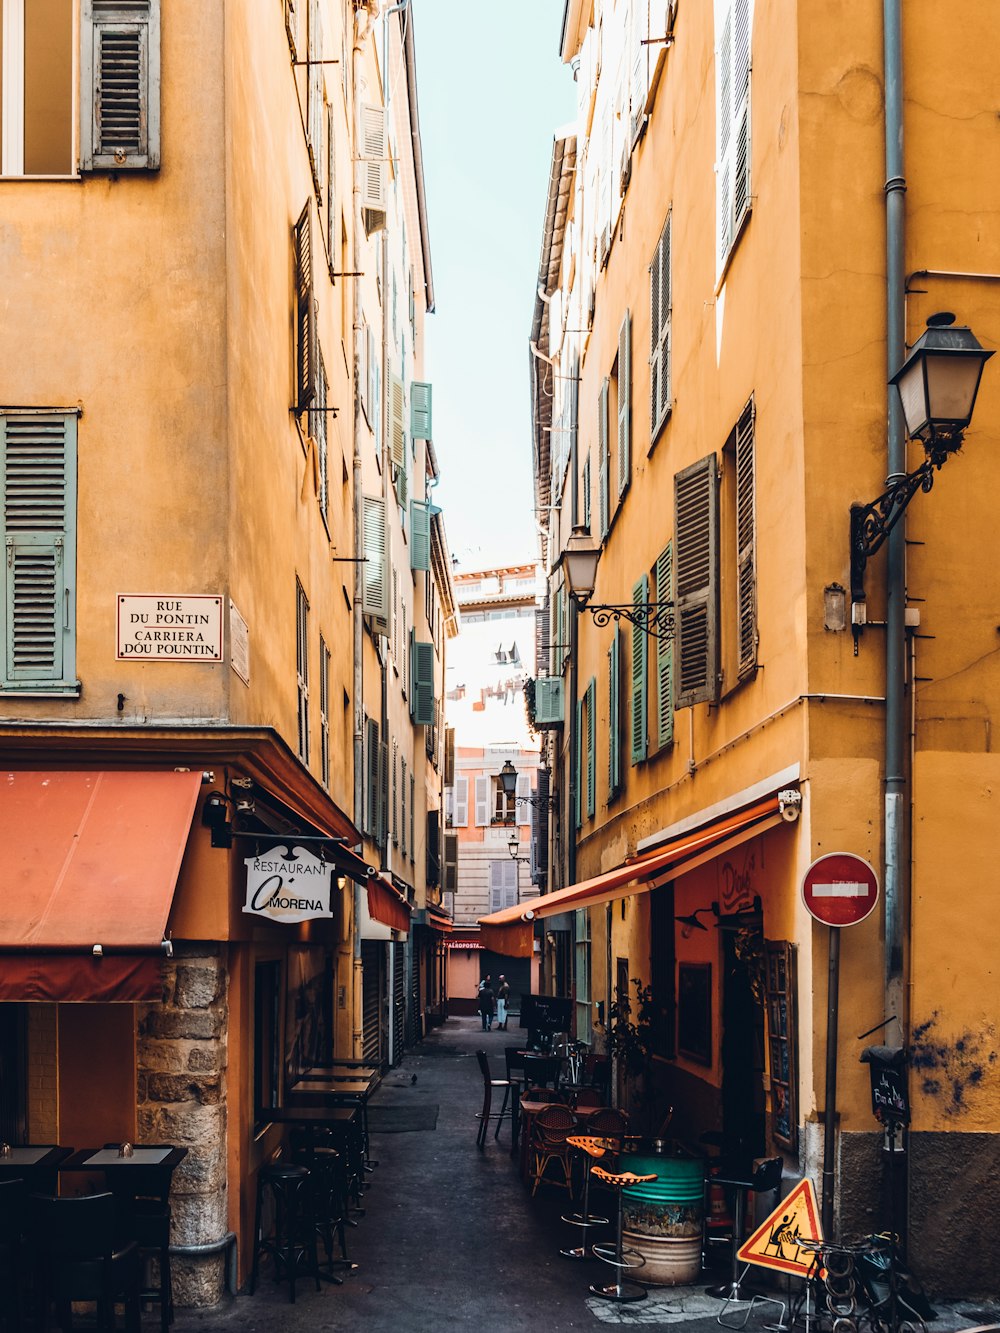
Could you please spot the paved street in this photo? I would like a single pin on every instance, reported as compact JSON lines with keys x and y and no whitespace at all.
{"x":451,"y":1238}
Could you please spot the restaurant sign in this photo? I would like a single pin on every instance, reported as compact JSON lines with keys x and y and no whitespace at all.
{"x":288,"y":884}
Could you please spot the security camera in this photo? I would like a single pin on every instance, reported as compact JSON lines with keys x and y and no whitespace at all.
{"x":790,"y":804}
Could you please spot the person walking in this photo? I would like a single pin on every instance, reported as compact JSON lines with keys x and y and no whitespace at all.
{"x":503,"y":993}
{"x":485,"y":1005}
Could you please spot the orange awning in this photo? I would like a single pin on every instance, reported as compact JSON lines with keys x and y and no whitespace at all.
{"x":510,"y":930}
{"x":385,"y":903}
{"x":90,"y":858}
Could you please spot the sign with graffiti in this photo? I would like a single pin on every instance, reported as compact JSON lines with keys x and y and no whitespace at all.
{"x":775,"y":1243}
{"x":288,"y":884}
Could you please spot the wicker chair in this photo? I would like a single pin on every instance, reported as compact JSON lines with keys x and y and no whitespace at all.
{"x":549,"y":1136}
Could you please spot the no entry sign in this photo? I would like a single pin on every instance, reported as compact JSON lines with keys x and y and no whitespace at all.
{"x":840,"y":889}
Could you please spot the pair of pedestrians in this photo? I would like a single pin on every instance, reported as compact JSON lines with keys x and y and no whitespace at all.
{"x":493,"y":1004}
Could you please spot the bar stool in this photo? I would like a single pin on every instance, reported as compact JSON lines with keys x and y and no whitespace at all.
{"x":291,"y":1243}
{"x":760,"y":1178}
{"x":594,"y":1149}
{"x":620,"y":1258}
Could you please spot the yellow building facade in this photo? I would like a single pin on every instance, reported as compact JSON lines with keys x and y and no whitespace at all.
{"x":226,"y":598}
{"x":709,"y":385}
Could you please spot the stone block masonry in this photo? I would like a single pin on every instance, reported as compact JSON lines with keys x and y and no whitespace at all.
{"x":182,"y":1059}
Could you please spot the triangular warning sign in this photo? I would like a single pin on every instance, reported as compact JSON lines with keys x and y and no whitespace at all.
{"x":775,"y":1243}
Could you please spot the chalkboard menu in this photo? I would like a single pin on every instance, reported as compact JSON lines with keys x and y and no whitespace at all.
{"x":546,"y":1013}
{"x":887,"y":1066}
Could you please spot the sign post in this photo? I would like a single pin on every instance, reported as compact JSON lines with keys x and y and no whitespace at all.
{"x":838,"y":890}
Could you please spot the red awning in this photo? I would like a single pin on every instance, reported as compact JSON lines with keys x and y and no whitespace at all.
{"x":510,"y":931}
{"x":91,"y":858}
{"x":439,"y":921}
{"x":386,"y":905}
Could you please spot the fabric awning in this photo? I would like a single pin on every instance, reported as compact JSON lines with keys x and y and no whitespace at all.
{"x":91,"y":858}
{"x":510,"y":931}
{"x":438,"y":920}
{"x":385,"y":903}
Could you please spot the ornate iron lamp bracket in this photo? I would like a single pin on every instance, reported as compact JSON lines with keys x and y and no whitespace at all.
{"x":872,"y":523}
{"x":655,"y":618}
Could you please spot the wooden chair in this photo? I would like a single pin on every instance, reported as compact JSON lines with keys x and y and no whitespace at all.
{"x":588,"y":1097}
{"x":549,"y":1143}
{"x":75,"y":1258}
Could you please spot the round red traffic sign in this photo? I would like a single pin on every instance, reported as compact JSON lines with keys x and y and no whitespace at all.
{"x":840,"y":889}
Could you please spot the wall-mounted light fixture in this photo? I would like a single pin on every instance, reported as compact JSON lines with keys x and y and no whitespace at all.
{"x":513,"y":846}
{"x":937,"y":383}
{"x":691,"y":923}
{"x":578,"y":561}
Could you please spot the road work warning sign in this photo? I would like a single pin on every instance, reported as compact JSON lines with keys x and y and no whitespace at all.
{"x":775,"y":1243}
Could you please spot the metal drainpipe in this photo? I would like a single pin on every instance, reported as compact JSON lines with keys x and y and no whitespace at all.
{"x":360,"y":31}
{"x":896,"y":857}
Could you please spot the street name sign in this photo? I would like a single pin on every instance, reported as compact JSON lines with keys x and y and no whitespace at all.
{"x":775,"y":1243}
{"x":840,"y":889}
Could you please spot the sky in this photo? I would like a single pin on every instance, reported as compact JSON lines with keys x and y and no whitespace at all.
{"x":492,"y":93}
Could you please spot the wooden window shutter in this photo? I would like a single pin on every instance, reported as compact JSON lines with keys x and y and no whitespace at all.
{"x":746,"y":580}
{"x":120,"y":85}
{"x":548,"y":700}
{"x":403,"y":809}
{"x":483,"y":811}
{"x":614,"y":715}
{"x":395,"y":792}
{"x":306,"y":337}
{"x":371,"y":777}
{"x":741,"y":111}
{"x":640,"y":657}
{"x":624,"y":404}
{"x":420,"y":411}
{"x":332,"y":230}
{"x":659,"y":330}
{"x":696,"y":566}
{"x":603,"y":465}
{"x":449,"y":755}
{"x":413,"y":816}
{"x":420,"y":535}
{"x":422,"y":684}
{"x":38,"y":461}
{"x":522,"y":799}
{"x":577,"y":764}
{"x":638,"y":36}
{"x":381,"y":829}
{"x":302,"y":668}
{"x":663,"y":575}
{"x":461,"y":816}
{"x":374,"y":154}
{"x":314,"y":95}
{"x":497,"y":882}
{"x":397,"y":423}
{"x":510,"y":883}
{"x":591,"y":748}
{"x":724,"y":122}
{"x":556,"y":652}
{"x":375,"y":589}
{"x":733,"y":116}
{"x":586,"y":492}
{"x":449,"y":881}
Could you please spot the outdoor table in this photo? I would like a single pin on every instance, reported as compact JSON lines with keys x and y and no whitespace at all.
{"x":529,"y":1110}
{"x":342,"y":1123}
{"x":342,"y":1091}
{"x":34,"y":1163}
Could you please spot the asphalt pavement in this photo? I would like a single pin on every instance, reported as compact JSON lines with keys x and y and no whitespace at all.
{"x":451,"y":1237}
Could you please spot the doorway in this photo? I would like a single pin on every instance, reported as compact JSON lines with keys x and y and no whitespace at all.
{"x":743,"y":1112}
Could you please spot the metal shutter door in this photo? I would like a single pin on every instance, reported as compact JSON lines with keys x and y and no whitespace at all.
{"x":372,"y":953}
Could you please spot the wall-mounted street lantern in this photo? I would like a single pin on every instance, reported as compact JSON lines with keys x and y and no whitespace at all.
{"x":937,"y":383}
{"x":513,"y":846}
{"x":578,"y":561}
{"x":507,"y":778}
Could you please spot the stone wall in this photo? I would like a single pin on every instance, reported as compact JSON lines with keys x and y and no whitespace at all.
{"x":182,"y":1058}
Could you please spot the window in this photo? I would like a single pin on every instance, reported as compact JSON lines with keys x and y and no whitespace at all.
{"x":591,"y":706}
{"x":395,"y":793}
{"x":375,"y":589}
{"x":120,"y":82}
{"x":413,"y":817}
{"x":38,"y":453}
{"x":782,"y":1034}
{"x":402,"y":788}
{"x":585,"y":498}
{"x":302,"y":668}
{"x":460,"y":815}
{"x":745,"y":522}
{"x":324,"y":710}
{"x":306,"y":338}
{"x":314,"y":95}
{"x":317,"y":432}
{"x":640,"y":661}
{"x":36,"y":88}
{"x":614,"y":715}
{"x":622,"y":376}
{"x":504,"y":806}
{"x":582,"y":975}
{"x":503,"y":884}
{"x":696,"y":562}
{"x":422,"y":701}
{"x":266,"y":1035}
{"x":659,"y":333}
{"x":733,"y":22}
{"x":663,"y":681}
{"x":332,"y":231}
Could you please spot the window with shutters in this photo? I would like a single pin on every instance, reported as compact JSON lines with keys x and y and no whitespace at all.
{"x":375,"y":580}
{"x":603,"y":458}
{"x":332,"y":230}
{"x":395,"y":794}
{"x":738,"y":554}
{"x":483,"y":798}
{"x":585,"y":496}
{"x":422,"y":696}
{"x":36,"y":89}
{"x":38,"y":488}
{"x":504,"y":805}
{"x":615,"y":715}
{"x":119,"y":84}
{"x":696,"y":580}
{"x":622,"y":386}
{"x":402,"y":813}
{"x":420,"y":411}
{"x":374,"y":167}
{"x":640,"y":686}
{"x":663,"y":649}
{"x":318,"y":433}
{"x":413,"y":817}
{"x":324,"y":710}
{"x":420,"y":535}
{"x":302,"y":668}
{"x":590,"y":776}
{"x":503,"y":885}
{"x":660,"y":296}
{"x":460,"y":815}
{"x":306,"y":338}
{"x":733,"y":28}
{"x":314,"y":95}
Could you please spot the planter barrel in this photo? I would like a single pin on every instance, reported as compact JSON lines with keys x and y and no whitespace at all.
{"x":664,"y":1219}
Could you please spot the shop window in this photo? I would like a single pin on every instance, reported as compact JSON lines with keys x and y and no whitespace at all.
{"x":266,"y":1035}
{"x":782,"y":1038}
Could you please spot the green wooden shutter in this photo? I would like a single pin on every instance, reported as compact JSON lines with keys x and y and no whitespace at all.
{"x":577,"y":765}
{"x":371,"y":777}
{"x":38,"y":509}
{"x":420,"y":535}
{"x":586,"y":493}
{"x":640,"y":654}
{"x":663,"y":574}
{"x":120,"y":85}
{"x":420,"y":411}
{"x":375,"y":590}
{"x":624,"y":404}
{"x":659,"y":330}
{"x":422,"y":683}
{"x":746,"y":578}
{"x":591,"y":748}
{"x":614,"y":716}
{"x":306,"y":338}
{"x":602,"y":462}
{"x":696,"y":563}
{"x":548,"y":700}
